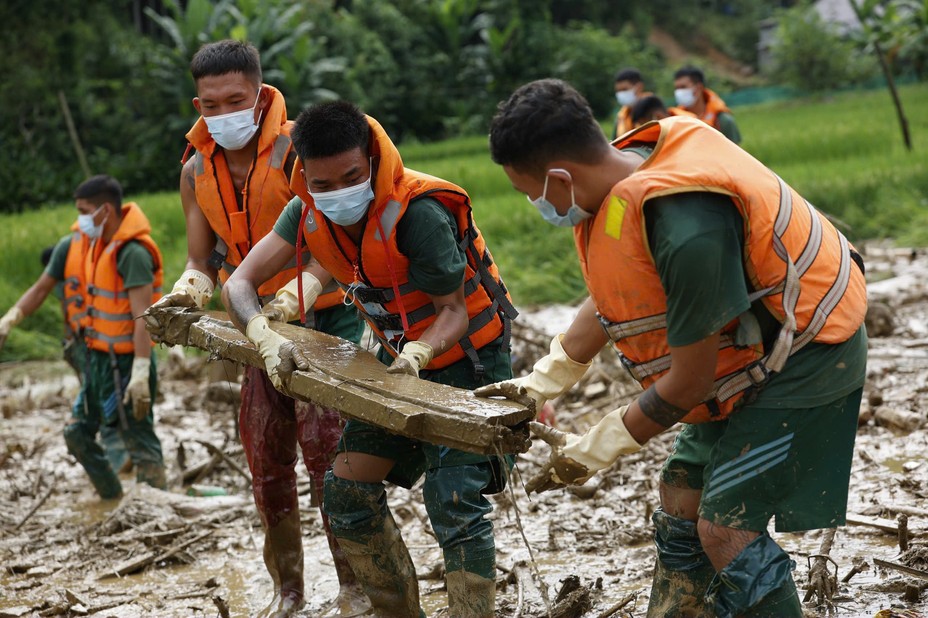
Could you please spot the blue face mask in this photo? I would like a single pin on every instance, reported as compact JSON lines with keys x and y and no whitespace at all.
{"x":345,"y":206}
{"x":549,"y":213}
{"x":87,"y":225}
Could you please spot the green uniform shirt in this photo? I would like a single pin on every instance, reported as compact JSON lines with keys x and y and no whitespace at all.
{"x":427,"y":236}
{"x":696,"y":240}
{"x":135,"y":265}
{"x":56,"y":262}
{"x":728,"y":127}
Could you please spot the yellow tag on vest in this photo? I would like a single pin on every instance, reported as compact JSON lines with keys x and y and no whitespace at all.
{"x":615,"y":212}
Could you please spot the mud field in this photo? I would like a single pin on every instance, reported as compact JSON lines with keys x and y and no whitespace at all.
{"x":583,"y":552}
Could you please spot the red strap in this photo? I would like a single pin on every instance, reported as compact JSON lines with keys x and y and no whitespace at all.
{"x":299,"y":264}
{"x":396,"y":286}
{"x":183,"y":159}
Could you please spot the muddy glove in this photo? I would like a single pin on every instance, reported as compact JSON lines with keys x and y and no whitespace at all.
{"x":552,"y":376}
{"x":193,"y":289}
{"x":286,"y":304}
{"x":138,"y":391}
{"x":268,"y":343}
{"x":574,"y":459}
{"x":10,"y":319}
{"x":415,"y":356}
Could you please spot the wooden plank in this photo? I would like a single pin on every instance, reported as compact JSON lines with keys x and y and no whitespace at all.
{"x":346,"y":378}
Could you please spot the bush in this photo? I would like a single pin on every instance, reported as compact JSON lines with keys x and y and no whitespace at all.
{"x":812,"y":55}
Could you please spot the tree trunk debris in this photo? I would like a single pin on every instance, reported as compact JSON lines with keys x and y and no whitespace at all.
{"x":352,"y":381}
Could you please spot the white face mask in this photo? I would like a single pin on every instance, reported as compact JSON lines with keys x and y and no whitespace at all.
{"x":88,"y":227}
{"x":626,"y":97}
{"x":549,"y":213}
{"x":234,"y":130}
{"x":685,"y":96}
{"x":345,"y":206}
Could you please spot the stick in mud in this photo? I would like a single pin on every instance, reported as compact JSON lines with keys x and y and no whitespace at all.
{"x":38,"y":504}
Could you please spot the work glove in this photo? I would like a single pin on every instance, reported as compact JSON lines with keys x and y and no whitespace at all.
{"x":415,"y":356}
{"x":574,"y":459}
{"x":10,"y":319}
{"x":138,"y":391}
{"x":286,"y":304}
{"x":193,"y":289}
{"x":268,"y":343}
{"x":552,"y":376}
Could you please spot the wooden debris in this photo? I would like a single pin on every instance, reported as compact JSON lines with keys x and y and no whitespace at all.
{"x":139,"y":563}
{"x":37,"y":505}
{"x":860,"y":565}
{"x":217,"y":452}
{"x":615,"y":608}
{"x":346,"y":378}
{"x":822,"y":584}
{"x":895,"y":566}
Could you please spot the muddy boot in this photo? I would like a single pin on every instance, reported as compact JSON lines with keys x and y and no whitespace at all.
{"x":283,"y":555}
{"x":152,"y":474}
{"x":115,"y":449}
{"x":682,"y":572}
{"x":758,"y":583}
{"x":351,"y":600}
{"x":368,"y":536}
{"x":81,"y":443}
{"x":469,"y":595}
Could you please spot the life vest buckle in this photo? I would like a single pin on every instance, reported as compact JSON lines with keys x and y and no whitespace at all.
{"x":386,"y":322}
{"x":758,"y":373}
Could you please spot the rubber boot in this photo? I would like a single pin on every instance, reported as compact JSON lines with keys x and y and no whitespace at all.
{"x":351,"y":600}
{"x":115,"y":449}
{"x":373,"y":545}
{"x":757,"y":583}
{"x":152,"y":474}
{"x":682,"y":571}
{"x":470,"y":595}
{"x":283,"y":555}
{"x":89,"y":454}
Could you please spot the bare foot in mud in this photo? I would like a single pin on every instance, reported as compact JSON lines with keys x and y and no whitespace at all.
{"x":351,"y":601}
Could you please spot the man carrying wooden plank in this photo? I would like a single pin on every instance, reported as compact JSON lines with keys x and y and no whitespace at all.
{"x":735,"y":304}
{"x":404,"y":247}
{"x":233,"y":189}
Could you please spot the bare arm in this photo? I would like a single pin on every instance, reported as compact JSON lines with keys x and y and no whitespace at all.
{"x":240,"y":292}
{"x":686,"y":385}
{"x":139,"y":301}
{"x":450,"y":321}
{"x":585,"y":336}
{"x":201,"y":240}
{"x":33,"y":298}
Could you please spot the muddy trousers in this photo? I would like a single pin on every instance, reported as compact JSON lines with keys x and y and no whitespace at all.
{"x":272,"y":426}
{"x":682,"y":572}
{"x":758,"y":583}
{"x":97,"y":405}
{"x":457,"y":507}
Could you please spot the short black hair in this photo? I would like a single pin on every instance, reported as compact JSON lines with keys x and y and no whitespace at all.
{"x":629,"y":75}
{"x":692,"y":72}
{"x":644,"y":107}
{"x":330,"y":128}
{"x":100,"y":189}
{"x":46,"y":256}
{"x":227,"y":56}
{"x":543,"y":121}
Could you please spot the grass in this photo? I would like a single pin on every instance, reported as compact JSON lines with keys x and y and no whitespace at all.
{"x":844,"y":153}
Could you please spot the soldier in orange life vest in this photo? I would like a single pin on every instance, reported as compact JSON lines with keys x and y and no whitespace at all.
{"x":405,"y":248}
{"x":122,"y":276}
{"x":691,"y":94}
{"x":64,"y":275}
{"x":739,"y":309}
{"x":233,"y":189}
{"x":629,"y":89}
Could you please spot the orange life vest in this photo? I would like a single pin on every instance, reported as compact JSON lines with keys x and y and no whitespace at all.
{"x":797,"y":263}
{"x":714,"y":106}
{"x":266,"y":193}
{"x":74,"y":299}
{"x":111,"y":324}
{"x":375,"y":276}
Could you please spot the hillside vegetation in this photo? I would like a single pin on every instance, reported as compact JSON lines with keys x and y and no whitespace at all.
{"x":843,"y":153}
